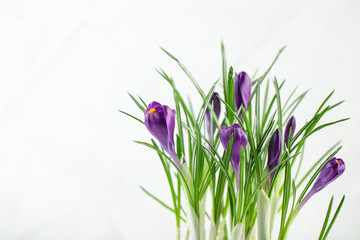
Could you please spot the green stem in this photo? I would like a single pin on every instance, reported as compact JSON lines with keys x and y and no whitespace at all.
{"x":284,"y":234}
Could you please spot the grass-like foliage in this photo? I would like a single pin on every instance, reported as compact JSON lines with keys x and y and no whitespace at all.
{"x":246,"y":161}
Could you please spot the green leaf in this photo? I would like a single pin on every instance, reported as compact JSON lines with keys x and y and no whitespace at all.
{"x":257,"y":114}
{"x":224,"y":73}
{"x":270,"y":107}
{"x":334,"y":217}
{"x":294,"y":105}
{"x":286,"y":195}
{"x":128,"y":114}
{"x":324,"y":102}
{"x":326,"y":218}
{"x":221,"y":181}
{"x":290,"y":96}
{"x":161,"y":202}
{"x":231,"y":94}
{"x":141,"y":107}
{"x":268,"y":70}
{"x":206,"y":105}
{"x":262,"y":181}
{"x":192,"y":79}
{"x":169,"y":159}
{"x":279,"y":111}
{"x":317,"y":129}
{"x":143,"y":102}
{"x":188,"y":113}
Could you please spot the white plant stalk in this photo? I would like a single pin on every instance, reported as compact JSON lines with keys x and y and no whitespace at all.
{"x":238,"y":232}
{"x":263,"y":213}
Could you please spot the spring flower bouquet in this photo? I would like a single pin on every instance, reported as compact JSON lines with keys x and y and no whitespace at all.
{"x":233,"y":165}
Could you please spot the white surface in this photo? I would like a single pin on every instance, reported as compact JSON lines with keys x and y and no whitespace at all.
{"x":68,"y":166}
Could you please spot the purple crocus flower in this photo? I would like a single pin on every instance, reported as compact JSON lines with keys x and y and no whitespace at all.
{"x":239,"y":139}
{"x":291,"y":124}
{"x":242,"y":89}
{"x":215,"y":102}
{"x":160,"y":121}
{"x":274,"y":151}
{"x":331,"y":170}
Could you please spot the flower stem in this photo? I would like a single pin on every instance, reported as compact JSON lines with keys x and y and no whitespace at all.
{"x":284,"y":234}
{"x":178,"y":237}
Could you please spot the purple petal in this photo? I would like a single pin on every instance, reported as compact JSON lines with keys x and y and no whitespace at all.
{"x":331,"y":171}
{"x":291,"y":124}
{"x":239,"y":139}
{"x":274,"y":151}
{"x":161,"y":123}
{"x":215,"y":102}
{"x":154,"y":105}
{"x":170,"y":122}
{"x":157,"y":126}
{"x":242,"y":90}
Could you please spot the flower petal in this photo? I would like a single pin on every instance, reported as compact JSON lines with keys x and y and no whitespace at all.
{"x":242,"y":89}
{"x":274,"y":151}
{"x":170,"y":123}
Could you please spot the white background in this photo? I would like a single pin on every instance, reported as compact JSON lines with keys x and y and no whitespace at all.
{"x":68,"y":166}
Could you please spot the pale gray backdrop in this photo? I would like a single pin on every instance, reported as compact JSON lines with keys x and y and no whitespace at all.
{"x":68,"y":166}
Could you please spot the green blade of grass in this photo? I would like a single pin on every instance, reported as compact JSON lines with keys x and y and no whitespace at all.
{"x":261,"y":183}
{"x":324,"y":102}
{"x":160,"y":202}
{"x":128,"y":114}
{"x":268,"y":70}
{"x":192,"y":79}
{"x":224,"y":72}
{"x":143,"y":102}
{"x":326,"y":218}
{"x":231,"y":93}
{"x":169,"y":159}
{"x":140,"y":106}
{"x":279,"y":111}
{"x":334,"y":217}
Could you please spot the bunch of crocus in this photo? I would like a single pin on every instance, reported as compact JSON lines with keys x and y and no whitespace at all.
{"x":235,"y":162}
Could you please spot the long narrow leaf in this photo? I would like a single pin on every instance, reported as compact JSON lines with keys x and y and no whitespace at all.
{"x":128,"y":114}
{"x":161,"y":202}
{"x":326,"y":218}
{"x":334,"y":217}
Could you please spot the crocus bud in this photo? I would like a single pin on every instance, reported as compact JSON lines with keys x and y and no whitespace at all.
{"x":160,"y":121}
{"x":274,"y":151}
{"x":215,"y":102}
{"x":242,"y":89}
{"x":331,"y":170}
{"x":290,"y":126}
{"x":239,"y":139}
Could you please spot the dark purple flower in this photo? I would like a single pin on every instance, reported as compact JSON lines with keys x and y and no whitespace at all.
{"x":242,"y":89}
{"x":274,"y":151}
{"x":239,"y":139}
{"x":331,"y":170}
{"x":160,"y":121}
{"x":291,"y":124}
{"x":215,"y":102}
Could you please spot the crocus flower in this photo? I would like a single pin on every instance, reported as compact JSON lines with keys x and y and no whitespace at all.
{"x":291,"y":124}
{"x":215,"y":102}
{"x":242,"y":89}
{"x":274,"y":151}
{"x":160,"y":121}
{"x":331,"y":170}
{"x":239,"y":139}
